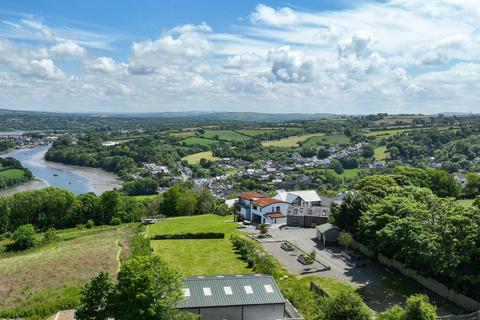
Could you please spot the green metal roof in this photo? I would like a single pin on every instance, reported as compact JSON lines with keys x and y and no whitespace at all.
{"x":230,"y":290}
{"x":325,"y":227}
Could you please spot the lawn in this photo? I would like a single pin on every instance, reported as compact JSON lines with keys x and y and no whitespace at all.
{"x":290,"y":142}
{"x":199,"y":257}
{"x":227,"y":135}
{"x":331,"y":139}
{"x":380,"y":153}
{"x":195,"y":158}
{"x":199,"y":141}
{"x":12,"y":173}
{"x":50,"y":276}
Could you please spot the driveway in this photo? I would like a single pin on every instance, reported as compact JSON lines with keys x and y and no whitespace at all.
{"x":373,"y":280}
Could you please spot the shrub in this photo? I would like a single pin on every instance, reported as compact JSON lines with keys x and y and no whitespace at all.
{"x":49,"y":235}
{"x":115,"y":221}
{"x":90,"y":224}
{"x":198,"y":235}
{"x":23,"y":237}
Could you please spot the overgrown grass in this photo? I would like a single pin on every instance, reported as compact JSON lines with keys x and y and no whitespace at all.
{"x":47,"y":278}
{"x":254,"y":132}
{"x":195,"y":158}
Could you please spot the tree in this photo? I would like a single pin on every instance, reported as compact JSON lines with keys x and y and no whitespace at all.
{"x":378,"y":185}
{"x":394,"y":313}
{"x":205,"y":201}
{"x":96,"y":299}
{"x":147,"y":289}
{"x":345,"y":239}
{"x":323,"y":153}
{"x":23,"y":237}
{"x":368,"y":151}
{"x":345,"y":305}
{"x":263,"y":229}
{"x":419,"y":308}
{"x":473,"y":184}
{"x":443,"y":184}
{"x":186,"y":203}
{"x":337,"y":166}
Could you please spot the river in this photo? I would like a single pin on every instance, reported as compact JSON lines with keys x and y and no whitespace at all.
{"x":74,"y":178}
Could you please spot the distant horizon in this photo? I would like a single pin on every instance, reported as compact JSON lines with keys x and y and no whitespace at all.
{"x":342,"y":56}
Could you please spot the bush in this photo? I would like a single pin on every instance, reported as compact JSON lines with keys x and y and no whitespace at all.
{"x":49,"y":236}
{"x":90,"y":224}
{"x":199,"y":235}
{"x":23,"y":237}
{"x":115,"y":221}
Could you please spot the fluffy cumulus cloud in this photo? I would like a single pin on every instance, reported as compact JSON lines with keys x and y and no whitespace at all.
{"x":68,"y":49}
{"x":390,"y":56}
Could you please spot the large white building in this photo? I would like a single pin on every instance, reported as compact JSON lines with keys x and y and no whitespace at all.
{"x":259,"y":208}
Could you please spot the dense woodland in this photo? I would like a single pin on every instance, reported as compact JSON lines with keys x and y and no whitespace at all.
{"x":408,"y":215}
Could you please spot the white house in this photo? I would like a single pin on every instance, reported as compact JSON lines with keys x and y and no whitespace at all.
{"x":262,"y":209}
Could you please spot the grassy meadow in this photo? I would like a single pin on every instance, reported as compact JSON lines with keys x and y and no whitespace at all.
{"x":11,"y":173}
{"x":195,"y":158}
{"x":227,"y":135}
{"x":290,"y":142}
{"x":199,"y":256}
{"x":380,"y":153}
{"x":199,"y":141}
{"x":49,"y":277}
{"x":330,"y":139}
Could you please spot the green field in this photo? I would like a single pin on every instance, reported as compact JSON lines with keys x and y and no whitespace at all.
{"x":49,"y":277}
{"x":347,"y":173}
{"x":387,"y":133}
{"x":333,"y":139}
{"x":381,"y":154}
{"x":290,"y":142}
{"x":12,"y":173}
{"x":199,"y":141}
{"x":200,"y":256}
{"x":226,"y":135}
{"x":195,"y":158}
{"x":255,"y":132}
{"x":183,"y":134}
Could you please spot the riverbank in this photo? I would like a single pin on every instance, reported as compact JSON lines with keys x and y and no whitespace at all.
{"x":98,"y":179}
{"x":74,"y":178}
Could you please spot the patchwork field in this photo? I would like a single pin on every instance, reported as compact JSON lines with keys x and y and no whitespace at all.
{"x":334,"y":139}
{"x":195,"y":158}
{"x":11,"y":173}
{"x":290,"y":142}
{"x":183,"y":134}
{"x":50,"y":277}
{"x":381,"y":154}
{"x":254,"y":132}
{"x":199,"y":141}
{"x":227,"y":135}
{"x":199,"y":256}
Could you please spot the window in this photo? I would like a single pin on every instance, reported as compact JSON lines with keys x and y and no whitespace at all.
{"x":207,"y":291}
{"x":228,"y":290}
{"x":248,"y":289}
{"x":324,"y":212}
{"x":295,"y":211}
{"x":278,"y":209}
{"x":310,"y":212}
{"x":186,"y":292}
{"x":254,"y":207}
{"x":301,"y":210}
{"x":268,"y":288}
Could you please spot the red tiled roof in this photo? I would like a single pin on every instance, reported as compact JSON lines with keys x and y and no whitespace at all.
{"x":276,"y":215}
{"x":251,"y":195}
{"x":263,"y":202}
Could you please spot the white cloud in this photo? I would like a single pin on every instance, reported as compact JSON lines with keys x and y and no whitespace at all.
{"x":268,"y":15}
{"x":291,"y":65}
{"x":68,"y":49}
{"x":105,"y":65}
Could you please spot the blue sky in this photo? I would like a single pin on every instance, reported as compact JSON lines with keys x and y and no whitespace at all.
{"x":346,"y":57}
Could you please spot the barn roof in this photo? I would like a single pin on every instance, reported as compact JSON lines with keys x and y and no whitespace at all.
{"x":230,"y":290}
